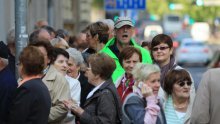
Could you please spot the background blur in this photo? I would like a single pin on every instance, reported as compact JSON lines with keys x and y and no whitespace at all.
{"x":194,"y":25}
{"x":173,"y":16}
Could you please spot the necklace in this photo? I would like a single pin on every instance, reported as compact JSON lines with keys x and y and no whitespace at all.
{"x":180,"y":106}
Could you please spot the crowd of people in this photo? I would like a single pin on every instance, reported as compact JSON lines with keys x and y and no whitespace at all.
{"x":101,"y":76}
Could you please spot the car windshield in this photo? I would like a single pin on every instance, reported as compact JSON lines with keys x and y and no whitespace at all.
{"x":173,"y":18}
{"x":194,"y":44}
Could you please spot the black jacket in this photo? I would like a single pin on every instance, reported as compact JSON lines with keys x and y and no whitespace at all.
{"x":31,"y":104}
{"x":103,"y":107}
{"x":86,"y":87}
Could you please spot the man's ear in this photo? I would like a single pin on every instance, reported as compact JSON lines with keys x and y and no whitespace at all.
{"x":97,"y":76}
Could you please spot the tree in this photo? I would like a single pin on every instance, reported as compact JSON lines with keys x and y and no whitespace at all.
{"x":198,"y":13}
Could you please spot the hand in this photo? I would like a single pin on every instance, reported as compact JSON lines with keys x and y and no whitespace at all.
{"x":146,"y":90}
{"x":70,"y":103}
{"x":73,"y":106}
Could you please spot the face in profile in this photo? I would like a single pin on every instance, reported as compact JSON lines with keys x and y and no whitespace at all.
{"x":81,"y":41}
{"x":90,"y":40}
{"x":154,"y":82}
{"x":124,"y":34}
{"x":91,"y":76}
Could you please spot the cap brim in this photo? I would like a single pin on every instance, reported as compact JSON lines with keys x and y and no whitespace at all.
{"x":119,"y":25}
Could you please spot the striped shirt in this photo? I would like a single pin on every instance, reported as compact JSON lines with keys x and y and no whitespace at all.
{"x":170,"y":113}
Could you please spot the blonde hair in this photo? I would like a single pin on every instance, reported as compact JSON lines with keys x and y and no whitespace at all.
{"x":142,"y":71}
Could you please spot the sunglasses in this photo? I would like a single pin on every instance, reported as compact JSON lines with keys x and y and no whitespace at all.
{"x":161,"y":48}
{"x":183,"y":83}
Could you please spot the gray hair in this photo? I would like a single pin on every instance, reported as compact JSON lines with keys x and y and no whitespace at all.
{"x":76,"y":56}
{"x":108,"y":22}
{"x":11,"y":36}
{"x":142,"y":71}
{"x":55,"y":41}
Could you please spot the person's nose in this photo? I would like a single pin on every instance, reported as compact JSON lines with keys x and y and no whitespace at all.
{"x":125,"y":29}
{"x":132,"y":64}
{"x":65,"y":65}
{"x":157,"y":84}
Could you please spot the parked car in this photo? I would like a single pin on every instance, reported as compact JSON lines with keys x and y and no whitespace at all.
{"x":215,"y":63}
{"x":193,"y":52}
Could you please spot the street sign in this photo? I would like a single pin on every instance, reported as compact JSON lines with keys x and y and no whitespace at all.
{"x":125,"y":4}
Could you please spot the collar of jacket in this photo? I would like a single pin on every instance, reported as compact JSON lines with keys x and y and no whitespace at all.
{"x":97,"y":93}
{"x":51,"y":73}
{"x":111,"y":42}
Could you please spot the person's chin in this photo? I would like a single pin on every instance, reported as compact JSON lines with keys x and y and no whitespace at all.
{"x":125,"y":40}
{"x":155,"y":93}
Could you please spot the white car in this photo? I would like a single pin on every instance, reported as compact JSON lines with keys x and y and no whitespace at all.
{"x":193,"y":52}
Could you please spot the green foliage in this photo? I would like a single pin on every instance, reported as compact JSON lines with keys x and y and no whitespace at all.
{"x":198,"y":13}
{"x":157,"y":7}
{"x":99,"y":4}
{"x":161,"y":7}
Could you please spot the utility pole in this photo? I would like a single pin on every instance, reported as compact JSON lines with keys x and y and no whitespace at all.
{"x":21,"y":35}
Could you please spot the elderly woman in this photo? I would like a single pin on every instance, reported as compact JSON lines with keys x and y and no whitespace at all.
{"x":59,"y":60}
{"x":32,"y":100}
{"x":128,"y":58}
{"x":162,"y":53}
{"x":75,"y":63}
{"x":102,"y":105}
{"x":143,"y":105}
{"x":179,"y":101}
{"x":55,"y":82}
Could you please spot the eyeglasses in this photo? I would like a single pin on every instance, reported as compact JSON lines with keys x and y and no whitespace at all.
{"x":182,"y":83}
{"x":161,"y":48}
{"x":17,"y":64}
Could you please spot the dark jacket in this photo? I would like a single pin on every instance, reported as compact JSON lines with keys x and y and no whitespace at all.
{"x":8,"y":85}
{"x":86,"y":87}
{"x":31,"y":104}
{"x":103,"y":107}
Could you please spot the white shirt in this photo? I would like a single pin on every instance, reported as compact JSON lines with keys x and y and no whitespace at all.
{"x":180,"y":114}
{"x":93,"y":91}
{"x":75,"y":88}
